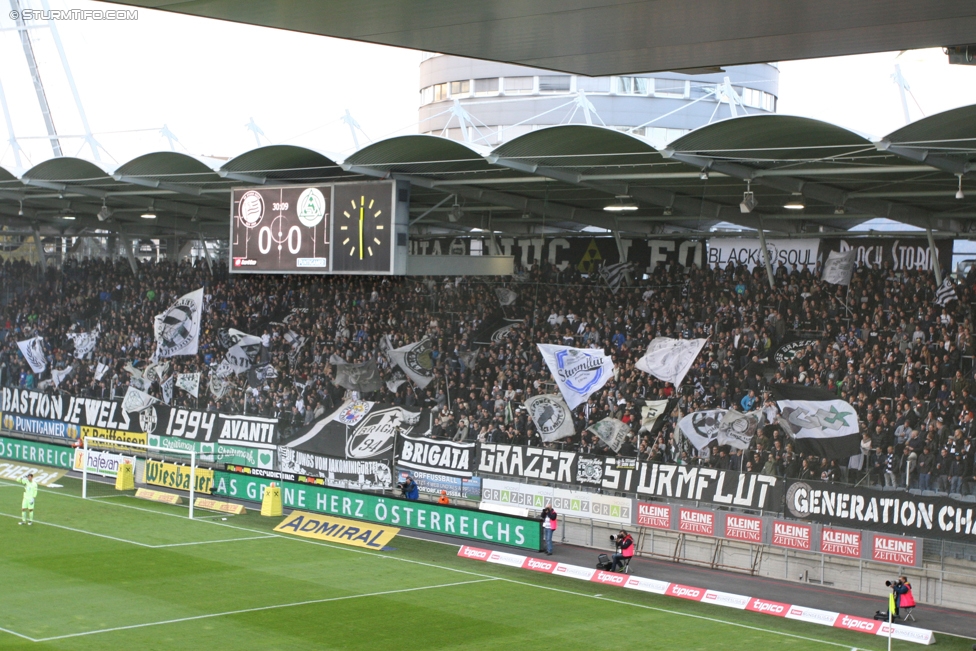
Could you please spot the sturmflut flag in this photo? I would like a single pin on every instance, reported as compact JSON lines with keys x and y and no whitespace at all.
{"x":819,"y":422}
{"x":702,"y":427}
{"x":611,"y":431}
{"x":615,"y":274}
{"x":839,"y":267}
{"x":178,"y":328}
{"x":505,"y":296}
{"x":552,"y":417}
{"x":737,"y":429}
{"x":670,"y":360}
{"x":33,"y":352}
{"x":189,"y":382}
{"x":946,"y":293}
{"x":416,"y":360}
{"x":578,"y":372}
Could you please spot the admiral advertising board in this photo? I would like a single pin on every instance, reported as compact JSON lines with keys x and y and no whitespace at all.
{"x":351,"y":228}
{"x":459,"y":522}
{"x":896,"y":512}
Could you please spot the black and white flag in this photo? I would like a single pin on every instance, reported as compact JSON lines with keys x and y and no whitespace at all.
{"x":611,"y":431}
{"x":84,"y":342}
{"x":166,"y":387}
{"x":156,"y":371}
{"x":189,"y":382}
{"x":100,"y":371}
{"x":670,"y":360}
{"x":737,"y":429}
{"x":552,"y":417}
{"x":505,"y":296}
{"x":495,"y":328}
{"x":33,"y":352}
{"x":136,"y":400}
{"x":178,"y":328}
{"x":297,"y":342}
{"x":578,"y":372}
{"x":946,"y":293}
{"x":58,"y":375}
{"x":416,"y":360}
{"x":839,"y":267}
{"x":615,"y":274}
{"x":818,"y":421}
{"x":468,"y":358}
{"x":219,"y":386}
{"x":258,"y":374}
{"x":363,"y":377}
{"x":702,"y":427}
{"x":651,"y":411}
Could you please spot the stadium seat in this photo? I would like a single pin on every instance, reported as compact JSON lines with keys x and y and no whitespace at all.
{"x":928,"y":493}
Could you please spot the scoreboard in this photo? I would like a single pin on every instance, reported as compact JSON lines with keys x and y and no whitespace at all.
{"x":342,"y":228}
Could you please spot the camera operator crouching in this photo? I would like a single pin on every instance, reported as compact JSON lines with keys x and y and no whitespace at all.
{"x":409,"y":489}
{"x":624,"y":543}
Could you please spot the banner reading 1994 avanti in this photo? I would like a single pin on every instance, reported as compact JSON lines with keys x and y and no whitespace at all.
{"x":455,"y":521}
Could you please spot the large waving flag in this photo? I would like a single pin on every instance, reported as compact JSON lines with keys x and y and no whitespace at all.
{"x":578,"y":372}
{"x":178,"y":328}
{"x":670,"y":360}
{"x":818,"y":421}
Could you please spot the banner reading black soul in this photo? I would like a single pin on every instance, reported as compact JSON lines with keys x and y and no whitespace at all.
{"x":897,"y":512}
{"x":723,"y":487}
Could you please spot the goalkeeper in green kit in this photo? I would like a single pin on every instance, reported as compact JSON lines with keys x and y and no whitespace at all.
{"x":27,"y":506}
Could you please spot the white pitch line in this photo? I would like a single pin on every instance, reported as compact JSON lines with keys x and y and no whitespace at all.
{"x":90,"y":533}
{"x":260,"y":608}
{"x":20,"y":635}
{"x":208,"y":542}
{"x":470,"y":573}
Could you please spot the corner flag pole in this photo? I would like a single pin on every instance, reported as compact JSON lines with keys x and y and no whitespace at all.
{"x":891,"y":613}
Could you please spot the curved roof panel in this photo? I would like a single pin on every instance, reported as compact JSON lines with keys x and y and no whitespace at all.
{"x":284,"y":162}
{"x":169,"y":164}
{"x":582,"y":148}
{"x":6,"y":176}
{"x":66,"y":169}
{"x":771,"y":138}
{"x":957,"y":125}
{"x":420,"y":154}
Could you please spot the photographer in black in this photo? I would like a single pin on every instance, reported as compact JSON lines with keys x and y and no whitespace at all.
{"x":899,"y":587}
{"x":624,"y":543}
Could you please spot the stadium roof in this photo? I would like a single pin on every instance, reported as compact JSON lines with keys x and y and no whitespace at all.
{"x":555,"y":179}
{"x":605,"y":37}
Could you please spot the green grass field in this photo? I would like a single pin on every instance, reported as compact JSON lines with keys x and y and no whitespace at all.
{"x":121,"y":573}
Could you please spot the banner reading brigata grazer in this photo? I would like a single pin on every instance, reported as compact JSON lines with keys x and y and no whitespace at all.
{"x":897,"y":512}
{"x":423,"y":516}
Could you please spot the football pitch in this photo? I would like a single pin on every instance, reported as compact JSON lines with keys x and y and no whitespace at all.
{"x":120,"y":573}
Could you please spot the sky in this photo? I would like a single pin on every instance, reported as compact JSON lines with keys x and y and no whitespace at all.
{"x":205,"y":80}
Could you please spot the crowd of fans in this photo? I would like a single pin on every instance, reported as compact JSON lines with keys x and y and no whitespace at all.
{"x":904,"y":362}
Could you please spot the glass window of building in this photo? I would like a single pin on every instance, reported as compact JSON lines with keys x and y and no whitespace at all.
{"x":769,"y":102}
{"x":460,"y":88}
{"x":752,"y":97}
{"x":670,"y":87}
{"x":484,"y":87}
{"x":440,"y":92}
{"x":519,"y":85}
{"x":554,"y":83}
{"x":593,"y":84}
{"x":427,"y":95}
{"x":632,"y":85}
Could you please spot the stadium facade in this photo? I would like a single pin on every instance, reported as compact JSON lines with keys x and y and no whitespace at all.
{"x":488,"y":103}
